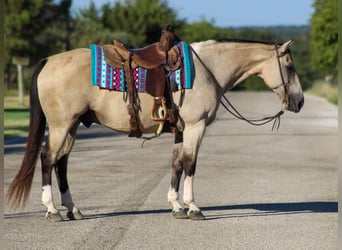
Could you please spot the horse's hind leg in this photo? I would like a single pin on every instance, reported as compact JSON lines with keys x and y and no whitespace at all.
{"x":52,"y":213}
{"x":58,"y":145}
{"x":62,"y":180}
{"x":61,"y":174}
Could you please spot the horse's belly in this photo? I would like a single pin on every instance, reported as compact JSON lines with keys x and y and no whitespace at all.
{"x":111,"y":111}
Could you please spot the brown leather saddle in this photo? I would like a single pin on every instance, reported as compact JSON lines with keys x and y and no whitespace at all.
{"x":158,"y":58}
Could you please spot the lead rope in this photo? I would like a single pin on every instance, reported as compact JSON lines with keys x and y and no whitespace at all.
{"x":255,"y":122}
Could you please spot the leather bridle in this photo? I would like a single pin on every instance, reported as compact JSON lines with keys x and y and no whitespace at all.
{"x":283,"y":83}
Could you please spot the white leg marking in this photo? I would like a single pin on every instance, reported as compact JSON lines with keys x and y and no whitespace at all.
{"x":173,"y":199}
{"x":67,"y":201}
{"x":47,"y":199}
{"x":188,"y":193}
{"x":188,"y":196}
{"x":172,"y":195}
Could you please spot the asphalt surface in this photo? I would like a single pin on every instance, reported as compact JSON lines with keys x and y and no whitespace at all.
{"x":258,"y":189}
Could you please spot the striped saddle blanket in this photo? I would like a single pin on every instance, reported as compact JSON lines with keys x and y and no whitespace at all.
{"x":106,"y":77}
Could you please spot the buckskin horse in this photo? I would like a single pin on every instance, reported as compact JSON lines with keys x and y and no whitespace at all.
{"x":62,"y":95}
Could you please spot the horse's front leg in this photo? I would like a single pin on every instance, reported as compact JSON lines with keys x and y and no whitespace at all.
{"x":184,"y":159}
{"x":177,"y":170}
{"x":192,"y":139}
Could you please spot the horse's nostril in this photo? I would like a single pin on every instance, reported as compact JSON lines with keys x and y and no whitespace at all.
{"x":301,"y":103}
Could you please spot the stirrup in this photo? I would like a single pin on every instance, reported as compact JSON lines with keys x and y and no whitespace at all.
{"x":161,"y":102}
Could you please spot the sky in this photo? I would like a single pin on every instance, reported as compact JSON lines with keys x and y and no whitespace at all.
{"x":234,"y":13}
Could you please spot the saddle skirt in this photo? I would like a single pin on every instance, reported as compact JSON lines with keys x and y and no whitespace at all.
{"x":107,"y":77}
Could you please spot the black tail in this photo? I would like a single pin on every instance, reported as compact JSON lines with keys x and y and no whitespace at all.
{"x":20,"y":187}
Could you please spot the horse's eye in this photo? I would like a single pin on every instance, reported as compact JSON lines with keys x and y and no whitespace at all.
{"x":288,"y":62}
{"x":287,"y":59}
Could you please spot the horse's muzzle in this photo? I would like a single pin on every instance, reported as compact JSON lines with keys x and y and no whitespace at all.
{"x":295,"y":104}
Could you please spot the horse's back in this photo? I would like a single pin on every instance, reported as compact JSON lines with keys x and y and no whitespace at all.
{"x":66,"y":68}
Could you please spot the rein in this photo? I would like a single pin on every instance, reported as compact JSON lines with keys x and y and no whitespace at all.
{"x":234,"y":112}
{"x":255,"y":122}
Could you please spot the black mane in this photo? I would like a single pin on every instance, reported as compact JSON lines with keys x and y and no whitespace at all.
{"x":237,"y":40}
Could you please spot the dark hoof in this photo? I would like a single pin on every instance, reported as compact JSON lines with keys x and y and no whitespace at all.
{"x":196,"y":215}
{"x":53,"y":217}
{"x":77,"y":215}
{"x":179,"y":214}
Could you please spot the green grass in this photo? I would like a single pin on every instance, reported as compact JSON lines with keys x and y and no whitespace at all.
{"x":326,"y":90}
{"x":16,"y":117}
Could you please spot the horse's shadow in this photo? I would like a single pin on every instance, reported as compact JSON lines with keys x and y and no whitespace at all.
{"x":270,"y":209}
{"x":244,"y":210}
{"x":220,"y":212}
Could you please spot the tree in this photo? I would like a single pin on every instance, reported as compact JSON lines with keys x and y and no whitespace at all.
{"x":324,"y":36}
{"x":301,"y":57}
{"x":142,"y":20}
{"x":88,"y":29}
{"x":204,"y":30}
{"x":34,"y":29}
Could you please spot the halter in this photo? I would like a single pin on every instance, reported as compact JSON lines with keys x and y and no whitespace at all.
{"x":234,"y":112}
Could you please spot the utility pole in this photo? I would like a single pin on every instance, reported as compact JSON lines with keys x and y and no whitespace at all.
{"x":20,"y":62}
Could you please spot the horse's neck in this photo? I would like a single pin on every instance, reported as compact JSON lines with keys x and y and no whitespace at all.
{"x":231,"y":63}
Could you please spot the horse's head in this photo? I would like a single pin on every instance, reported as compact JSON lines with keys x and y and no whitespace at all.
{"x":280,"y":75}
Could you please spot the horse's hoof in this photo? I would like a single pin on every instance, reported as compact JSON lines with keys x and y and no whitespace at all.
{"x":54,"y":217}
{"x":196,"y":215}
{"x":76,"y":215}
{"x":180,"y":214}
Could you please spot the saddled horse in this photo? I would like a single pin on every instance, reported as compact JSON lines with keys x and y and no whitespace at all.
{"x":62,"y":95}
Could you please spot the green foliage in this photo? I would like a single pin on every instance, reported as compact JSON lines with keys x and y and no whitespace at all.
{"x":88,"y":29}
{"x":141,"y":19}
{"x":285,"y":32}
{"x":326,"y":90}
{"x":34,"y":29}
{"x":324,"y":36}
{"x":204,"y":30}
{"x":254,"y":83}
{"x":31,"y":28}
{"x":264,"y":35}
{"x":301,"y":56}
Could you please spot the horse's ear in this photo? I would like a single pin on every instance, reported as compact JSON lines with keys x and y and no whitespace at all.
{"x":283,"y":48}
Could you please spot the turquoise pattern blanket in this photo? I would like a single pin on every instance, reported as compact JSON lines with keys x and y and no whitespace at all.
{"x":106,"y":77}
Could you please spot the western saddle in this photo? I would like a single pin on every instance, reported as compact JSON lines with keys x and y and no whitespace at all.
{"x":158,"y":58}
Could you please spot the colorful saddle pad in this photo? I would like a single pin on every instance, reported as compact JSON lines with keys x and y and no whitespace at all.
{"x":107,"y":77}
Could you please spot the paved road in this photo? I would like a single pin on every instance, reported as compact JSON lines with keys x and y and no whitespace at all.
{"x":258,"y":189}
